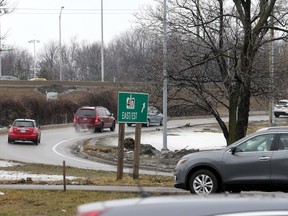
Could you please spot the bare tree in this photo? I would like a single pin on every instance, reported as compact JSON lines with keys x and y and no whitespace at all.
{"x":48,"y":61}
{"x":17,"y":63}
{"x":213,"y":50}
{"x":132,"y":56}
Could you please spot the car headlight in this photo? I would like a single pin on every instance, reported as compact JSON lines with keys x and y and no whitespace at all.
{"x":182,"y":160}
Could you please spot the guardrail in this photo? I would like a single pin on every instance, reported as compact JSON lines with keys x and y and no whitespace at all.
{"x":86,"y":84}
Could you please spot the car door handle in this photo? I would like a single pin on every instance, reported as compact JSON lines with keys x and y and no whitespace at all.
{"x":264,"y":158}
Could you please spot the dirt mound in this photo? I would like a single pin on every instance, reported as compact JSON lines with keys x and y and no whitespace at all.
{"x":150,"y":158}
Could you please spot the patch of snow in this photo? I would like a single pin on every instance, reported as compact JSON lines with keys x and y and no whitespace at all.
{"x":8,"y":164}
{"x":185,"y":138}
{"x":13,"y":175}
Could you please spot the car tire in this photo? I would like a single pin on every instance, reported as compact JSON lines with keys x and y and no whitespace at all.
{"x":161,"y":122}
{"x":129,"y":124}
{"x":113,"y":127}
{"x":10,"y":141}
{"x":203,"y":182}
{"x":36,"y":142}
{"x":147,"y":123}
{"x":277,"y":115}
{"x":101,"y":128}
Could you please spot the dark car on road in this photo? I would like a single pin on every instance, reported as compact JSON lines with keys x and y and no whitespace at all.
{"x":154,"y":117}
{"x":24,"y":130}
{"x":95,"y":118}
{"x":256,"y":162}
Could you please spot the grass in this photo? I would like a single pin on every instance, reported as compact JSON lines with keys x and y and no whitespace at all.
{"x":50,"y":202}
{"x":88,"y":177}
{"x":54,"y":203}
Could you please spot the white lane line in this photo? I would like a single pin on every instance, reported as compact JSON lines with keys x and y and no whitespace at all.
{"x":72,"y":158}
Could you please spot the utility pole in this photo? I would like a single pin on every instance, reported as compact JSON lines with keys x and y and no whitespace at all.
{"x":60,"y":45}
{"x":2,"y":12}
{"x":102,"y":45}
{"x":34,"y":55}
{"x":164,"y":77}
{"x":271,"y":63}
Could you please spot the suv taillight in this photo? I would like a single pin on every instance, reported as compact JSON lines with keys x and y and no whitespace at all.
{"x":97,"y":119}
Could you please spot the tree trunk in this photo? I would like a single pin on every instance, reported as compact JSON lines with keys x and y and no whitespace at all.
{"x":233,"y":104}
{"x":243,"y":112}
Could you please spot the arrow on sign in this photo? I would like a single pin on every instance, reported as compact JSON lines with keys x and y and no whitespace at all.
{"x":143,"y":107}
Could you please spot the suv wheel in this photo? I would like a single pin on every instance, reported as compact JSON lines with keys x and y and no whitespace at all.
{"x":113,"y":127}
{"x":101,"y":128}
{"x":203,"y":182}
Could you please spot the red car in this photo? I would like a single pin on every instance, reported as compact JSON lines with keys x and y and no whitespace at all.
{"x":24,"y":130}
{"x":95,"y":118}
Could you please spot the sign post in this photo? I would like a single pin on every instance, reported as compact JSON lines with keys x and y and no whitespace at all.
{"x":132,"y":108}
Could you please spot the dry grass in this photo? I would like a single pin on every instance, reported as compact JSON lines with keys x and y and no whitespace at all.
{"x":89,"y":177}
{"x":54,"y":203}
{"x":45,"y":202}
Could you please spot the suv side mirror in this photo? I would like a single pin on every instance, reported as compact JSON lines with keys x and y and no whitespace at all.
{"x":233,"y":150}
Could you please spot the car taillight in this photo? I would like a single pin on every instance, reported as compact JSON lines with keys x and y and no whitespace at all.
{"x":74,"y":119}
{"x":92,"y":213}
{"x":97,"y":119}
{"x":35,"y":130}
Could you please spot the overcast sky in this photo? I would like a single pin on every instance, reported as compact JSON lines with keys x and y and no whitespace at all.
{"x":39,"y":20}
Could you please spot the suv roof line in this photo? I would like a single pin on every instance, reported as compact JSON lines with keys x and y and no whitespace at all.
{"x":274,"y":128}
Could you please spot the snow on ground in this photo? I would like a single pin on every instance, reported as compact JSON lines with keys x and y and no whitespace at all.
{"x":13,"y":175}
{"x":180,"y":138}
{"x":185,"y":138}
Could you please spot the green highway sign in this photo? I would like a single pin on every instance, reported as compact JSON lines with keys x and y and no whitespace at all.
{"x":132,"y":107}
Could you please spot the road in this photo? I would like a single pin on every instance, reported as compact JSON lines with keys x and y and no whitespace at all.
{"x":56,"y":143}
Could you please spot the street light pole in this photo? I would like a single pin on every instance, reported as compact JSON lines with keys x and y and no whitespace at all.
{"x":60,"y":46}
{"x":102,"y":45}
{"x":165,"y":148}
{"x":2,"y":12}
{"x":34,"y":56}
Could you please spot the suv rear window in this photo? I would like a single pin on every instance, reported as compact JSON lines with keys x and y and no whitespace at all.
{"x":282,"y":103}
{"x":86,"y":112}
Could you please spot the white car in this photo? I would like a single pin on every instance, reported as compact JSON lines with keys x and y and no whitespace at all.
{"x":281,"y":108}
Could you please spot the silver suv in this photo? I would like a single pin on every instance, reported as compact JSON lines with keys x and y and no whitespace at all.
{"x":154,"y":117}
{"x":256,"y":162}
{"x":281,"y":108}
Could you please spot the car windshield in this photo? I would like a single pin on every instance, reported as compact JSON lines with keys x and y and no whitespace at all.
{"x":86,"y":112}
{"x":24,"y":124}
